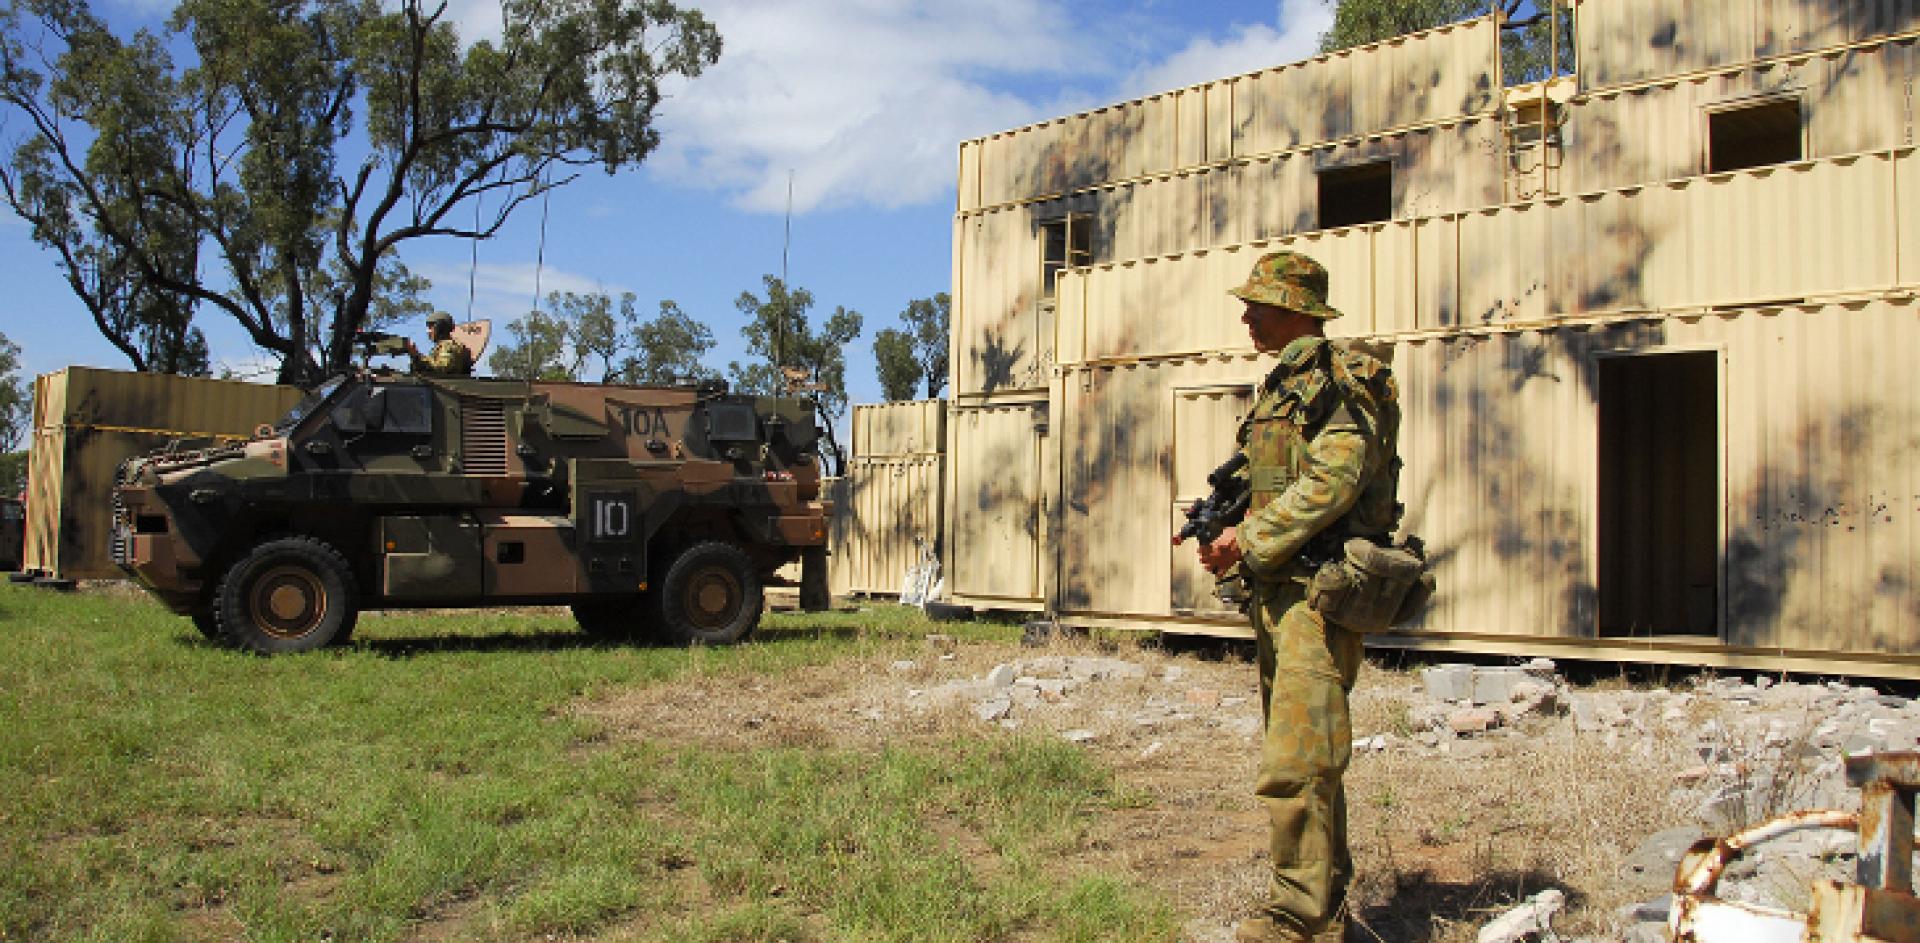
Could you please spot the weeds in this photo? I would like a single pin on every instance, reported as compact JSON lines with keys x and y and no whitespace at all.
{"x":432,"y":779}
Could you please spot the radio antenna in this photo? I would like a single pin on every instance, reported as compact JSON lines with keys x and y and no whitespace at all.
{"x":786,"y":289}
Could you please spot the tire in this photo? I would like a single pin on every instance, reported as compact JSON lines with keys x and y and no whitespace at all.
{"x":710,"y":595}
{"x":294,"y":594}
{"x":609,"y":620}
{"x":209,"y":626}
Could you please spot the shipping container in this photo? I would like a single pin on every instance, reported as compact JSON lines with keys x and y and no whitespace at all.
{"x":1809,"y":105}
{"x":888,"y":507}
{"x":1435,"y":76}
{"x":1650,"y":325}
{"x":87,"y":421}
{"x":1621,"y":42}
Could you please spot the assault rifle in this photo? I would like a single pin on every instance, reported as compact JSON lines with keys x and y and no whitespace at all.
{"x":1223,"y":508}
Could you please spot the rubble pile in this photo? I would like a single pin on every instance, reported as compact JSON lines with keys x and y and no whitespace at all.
{"x":1750,"y":748}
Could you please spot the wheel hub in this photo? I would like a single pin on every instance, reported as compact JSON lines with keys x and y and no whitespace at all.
{"x":713,"y":597}
{"x":287,"y":602}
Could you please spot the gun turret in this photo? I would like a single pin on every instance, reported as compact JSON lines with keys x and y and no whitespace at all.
{"x":1221,"y":509}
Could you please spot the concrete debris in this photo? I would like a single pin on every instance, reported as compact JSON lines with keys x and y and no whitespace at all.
{"x":993,"y":708}
{"x":1649,"y":867}
{"x":907,"y":665}
{"x":1373,"y":744}
{"x":1152,"y":749}
{"x":1080,"y":735}
{"x":1001,"y":676}
{"x":1532,"y":920}
{"x":1204,"y":697}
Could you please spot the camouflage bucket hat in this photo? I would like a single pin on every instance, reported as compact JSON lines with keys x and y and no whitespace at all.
{"x":1288,"y":280}
{"x":439,"y":317}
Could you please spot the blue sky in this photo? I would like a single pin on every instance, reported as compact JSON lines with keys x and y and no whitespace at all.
{"x":865,"y":102}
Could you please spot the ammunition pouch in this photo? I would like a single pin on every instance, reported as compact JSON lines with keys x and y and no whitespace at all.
{"x":1370,"y":588}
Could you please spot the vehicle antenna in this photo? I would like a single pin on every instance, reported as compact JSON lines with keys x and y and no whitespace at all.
{"x":540,"y":254}
{"x":786,"y":290}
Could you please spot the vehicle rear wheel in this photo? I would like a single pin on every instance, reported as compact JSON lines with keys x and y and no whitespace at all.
{"x":710,"y":595}
{"x":609,"y":620}
{"x":294,"y":594}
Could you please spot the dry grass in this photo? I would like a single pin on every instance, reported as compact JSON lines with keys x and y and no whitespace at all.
{"x":1442,"y":842}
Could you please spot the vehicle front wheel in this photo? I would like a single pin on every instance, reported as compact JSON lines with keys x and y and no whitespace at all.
{"x":294,"y":594}
{"x":710,"y":595}
{"x":203,"y":619}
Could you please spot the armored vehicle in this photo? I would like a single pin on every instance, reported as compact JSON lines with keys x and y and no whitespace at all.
{"x":659,"y":509}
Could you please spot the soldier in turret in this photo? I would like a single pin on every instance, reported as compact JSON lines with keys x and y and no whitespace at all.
{"x":448,"y":358}
{"x":1320,"y":443}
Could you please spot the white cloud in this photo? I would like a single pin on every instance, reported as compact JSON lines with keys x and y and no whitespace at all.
{"x":866,"y":101}
{"x":1295,"y":36}
{"x":501,"y":292}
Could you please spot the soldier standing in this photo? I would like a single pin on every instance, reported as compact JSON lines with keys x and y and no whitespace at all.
{"x":449,"y":357}
{"x":1320,"y":444}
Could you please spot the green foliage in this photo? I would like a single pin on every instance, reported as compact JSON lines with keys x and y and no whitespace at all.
{"x":893,"y":360}
{"x":13,"y":473}
{"x":434,"y":780}
{"x":299,"y":143}
{"x":1524,"y":43}
{"x":558,"y":344}
{"x":16,"y":399}
{"x":779,"y":330}
{"x":906,"y":357}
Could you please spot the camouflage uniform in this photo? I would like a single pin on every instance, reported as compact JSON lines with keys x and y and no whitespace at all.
{"x":449,"y":358}
{"x":1320,"y":443}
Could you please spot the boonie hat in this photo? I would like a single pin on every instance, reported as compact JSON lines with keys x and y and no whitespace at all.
{"x":1288,"y":280}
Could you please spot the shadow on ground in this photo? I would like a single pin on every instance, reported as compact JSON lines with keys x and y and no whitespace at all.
{"x":1421,"y":906}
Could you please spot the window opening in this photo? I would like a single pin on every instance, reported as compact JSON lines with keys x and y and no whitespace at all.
{"x":1753,"y":135}
{"x":1065,"y":243}
{"x":1659,"y":494}
{"x":1354,"y":195}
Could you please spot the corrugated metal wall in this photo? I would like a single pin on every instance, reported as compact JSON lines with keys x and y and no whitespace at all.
{"x":1659,"y":131}
{"x":1626,"y":41}
{"x":997,"y":524}
{"x":889,"y":504}
{"x":1808,"y":230}
{"x":88,"y":421}
{"x":1412,"y":80}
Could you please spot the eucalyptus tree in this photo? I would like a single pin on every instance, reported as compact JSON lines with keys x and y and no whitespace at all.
{"x":268,"y":158}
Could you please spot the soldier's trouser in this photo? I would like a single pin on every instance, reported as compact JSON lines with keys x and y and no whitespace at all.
{"x":1306,"y":669}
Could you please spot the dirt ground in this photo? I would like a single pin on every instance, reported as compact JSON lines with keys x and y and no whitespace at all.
{"x":1443,"y":841}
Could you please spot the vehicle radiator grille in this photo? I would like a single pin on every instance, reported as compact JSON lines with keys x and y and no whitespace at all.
{"x":483,"y":436}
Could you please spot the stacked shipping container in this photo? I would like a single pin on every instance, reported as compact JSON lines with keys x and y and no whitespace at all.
{"x":1657,"y":409}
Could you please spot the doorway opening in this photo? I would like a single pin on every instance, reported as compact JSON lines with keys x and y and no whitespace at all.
{"x":1659,"y":527}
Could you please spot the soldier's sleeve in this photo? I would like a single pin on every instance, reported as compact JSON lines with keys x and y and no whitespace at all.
{"x":1329,"y":484}
{"x":448,"y":357}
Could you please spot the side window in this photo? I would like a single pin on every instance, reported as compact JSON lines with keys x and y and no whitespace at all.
{"x":1064,"y":243}
{"x":409,"y":410}
{"x":1754,"y":134}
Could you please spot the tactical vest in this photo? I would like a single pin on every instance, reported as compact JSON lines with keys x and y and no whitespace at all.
{"x":1336,"y":386}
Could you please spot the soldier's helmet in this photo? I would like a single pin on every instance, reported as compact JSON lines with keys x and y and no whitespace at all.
{"x":439,"y":317}
{"x":1288,"y":280}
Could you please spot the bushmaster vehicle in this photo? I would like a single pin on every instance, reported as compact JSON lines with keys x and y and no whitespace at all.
{"x":664,"y":509}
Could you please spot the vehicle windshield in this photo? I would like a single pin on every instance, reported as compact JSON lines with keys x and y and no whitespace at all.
{"x":308,"y":405}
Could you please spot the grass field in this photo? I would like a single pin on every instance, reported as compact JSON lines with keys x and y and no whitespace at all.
{"x":432,"y":782}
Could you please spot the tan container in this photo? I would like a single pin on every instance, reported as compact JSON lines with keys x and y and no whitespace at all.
{"x":1852,"y":99}
{"x":887,"y":510}
{"x":997,"y":524}
{"x":1626,"y":41}
{"x":87,"y":421}
{"x":1429,"y":77}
